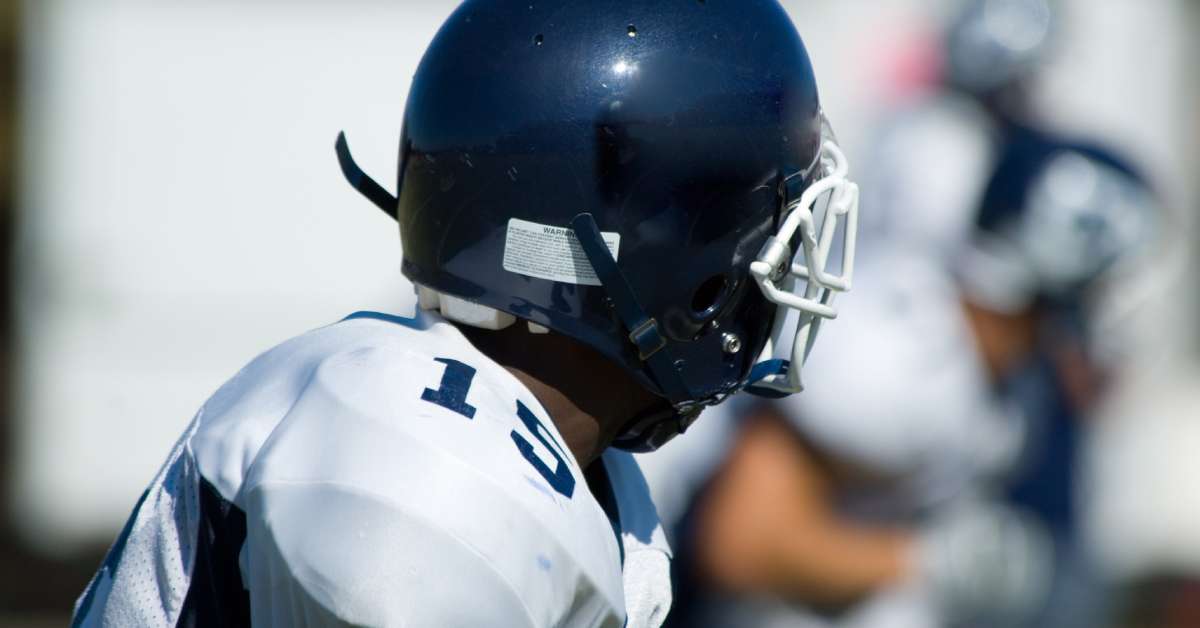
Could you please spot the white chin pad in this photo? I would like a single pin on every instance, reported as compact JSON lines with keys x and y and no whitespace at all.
{"x":464,"y":312}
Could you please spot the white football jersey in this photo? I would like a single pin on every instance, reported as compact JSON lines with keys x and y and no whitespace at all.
{"x":898,"y":388}
{"x":382,"y":472}
{"x":925,"y":171}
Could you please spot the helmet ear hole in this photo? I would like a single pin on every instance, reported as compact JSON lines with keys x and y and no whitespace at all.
{"x":710,"y":296}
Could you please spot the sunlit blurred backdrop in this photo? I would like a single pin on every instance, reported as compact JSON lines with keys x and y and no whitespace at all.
{"x":172,"y":205}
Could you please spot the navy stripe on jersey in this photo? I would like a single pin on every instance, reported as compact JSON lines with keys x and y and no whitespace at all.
{"x":602,"y":489}
{"x":216,"y":595}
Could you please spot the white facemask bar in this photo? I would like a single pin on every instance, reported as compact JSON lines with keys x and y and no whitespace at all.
{"x":779,"y":274}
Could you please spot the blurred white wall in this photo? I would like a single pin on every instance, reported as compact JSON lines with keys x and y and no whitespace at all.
{"x":1126,"y":73}
{"x":183,"y":209}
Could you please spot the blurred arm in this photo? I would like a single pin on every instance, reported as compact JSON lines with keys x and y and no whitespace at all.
{"x":767,"y":526}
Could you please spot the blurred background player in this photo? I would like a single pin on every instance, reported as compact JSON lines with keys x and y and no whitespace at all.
{"x":927,"y":476}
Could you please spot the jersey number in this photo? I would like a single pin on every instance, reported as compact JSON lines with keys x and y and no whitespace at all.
{"x":452,"y":395}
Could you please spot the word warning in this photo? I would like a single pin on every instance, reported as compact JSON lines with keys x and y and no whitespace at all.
{"x":549,"y":252}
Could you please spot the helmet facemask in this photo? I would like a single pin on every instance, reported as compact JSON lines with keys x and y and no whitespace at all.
{"x":817,"y":226}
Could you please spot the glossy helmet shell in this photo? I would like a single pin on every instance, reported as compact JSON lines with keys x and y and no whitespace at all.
{"x":677,"y":125}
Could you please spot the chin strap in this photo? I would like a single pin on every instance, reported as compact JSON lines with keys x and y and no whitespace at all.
{"x":655,"y":428}
{"x":652,"y":429}
{"x":764,"y":370}
{"x":643,"y":330}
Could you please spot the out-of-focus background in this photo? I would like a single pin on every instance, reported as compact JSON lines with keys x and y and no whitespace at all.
{"x":171,"y":205}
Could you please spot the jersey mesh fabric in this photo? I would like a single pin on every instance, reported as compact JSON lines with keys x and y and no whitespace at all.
{"x":145,"y":585}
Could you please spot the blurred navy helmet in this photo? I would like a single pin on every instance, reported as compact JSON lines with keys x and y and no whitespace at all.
{"x":992,"y":44}
{"x":1055,"y":217}
{"x":642,"y":177}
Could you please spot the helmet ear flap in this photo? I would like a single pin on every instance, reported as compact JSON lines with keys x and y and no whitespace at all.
{"x":710,"y":296}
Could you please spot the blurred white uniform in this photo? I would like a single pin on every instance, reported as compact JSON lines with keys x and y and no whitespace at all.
{"x":896,"y":388}
{"x":899,"y":390}
{"x":382,"y":472}
{"x":924,"y":176}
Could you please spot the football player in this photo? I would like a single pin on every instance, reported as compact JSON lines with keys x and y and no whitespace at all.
{"x":608,"y":213}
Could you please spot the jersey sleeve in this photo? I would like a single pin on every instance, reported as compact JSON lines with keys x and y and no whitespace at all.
{"x":320,"y":555}
{"x":646,"y":574}
{"x":145,"y":578}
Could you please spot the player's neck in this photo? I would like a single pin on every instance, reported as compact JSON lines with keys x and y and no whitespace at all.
{"x":581,"y":431}
{"x":588,"y":397}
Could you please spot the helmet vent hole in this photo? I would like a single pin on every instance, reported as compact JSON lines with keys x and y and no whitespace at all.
{"x":709,"y":295}
{"x":539,"y":39}
{"x":631,"y":30}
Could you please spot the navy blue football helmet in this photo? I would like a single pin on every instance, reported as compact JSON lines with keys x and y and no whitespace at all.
{"x":653,"y":179}
{"x":1056,"y":216}
{"x":992,"y":44}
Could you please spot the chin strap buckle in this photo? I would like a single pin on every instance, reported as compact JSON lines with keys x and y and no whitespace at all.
{"x":647,"y":339}
{"x":644,"y":332}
